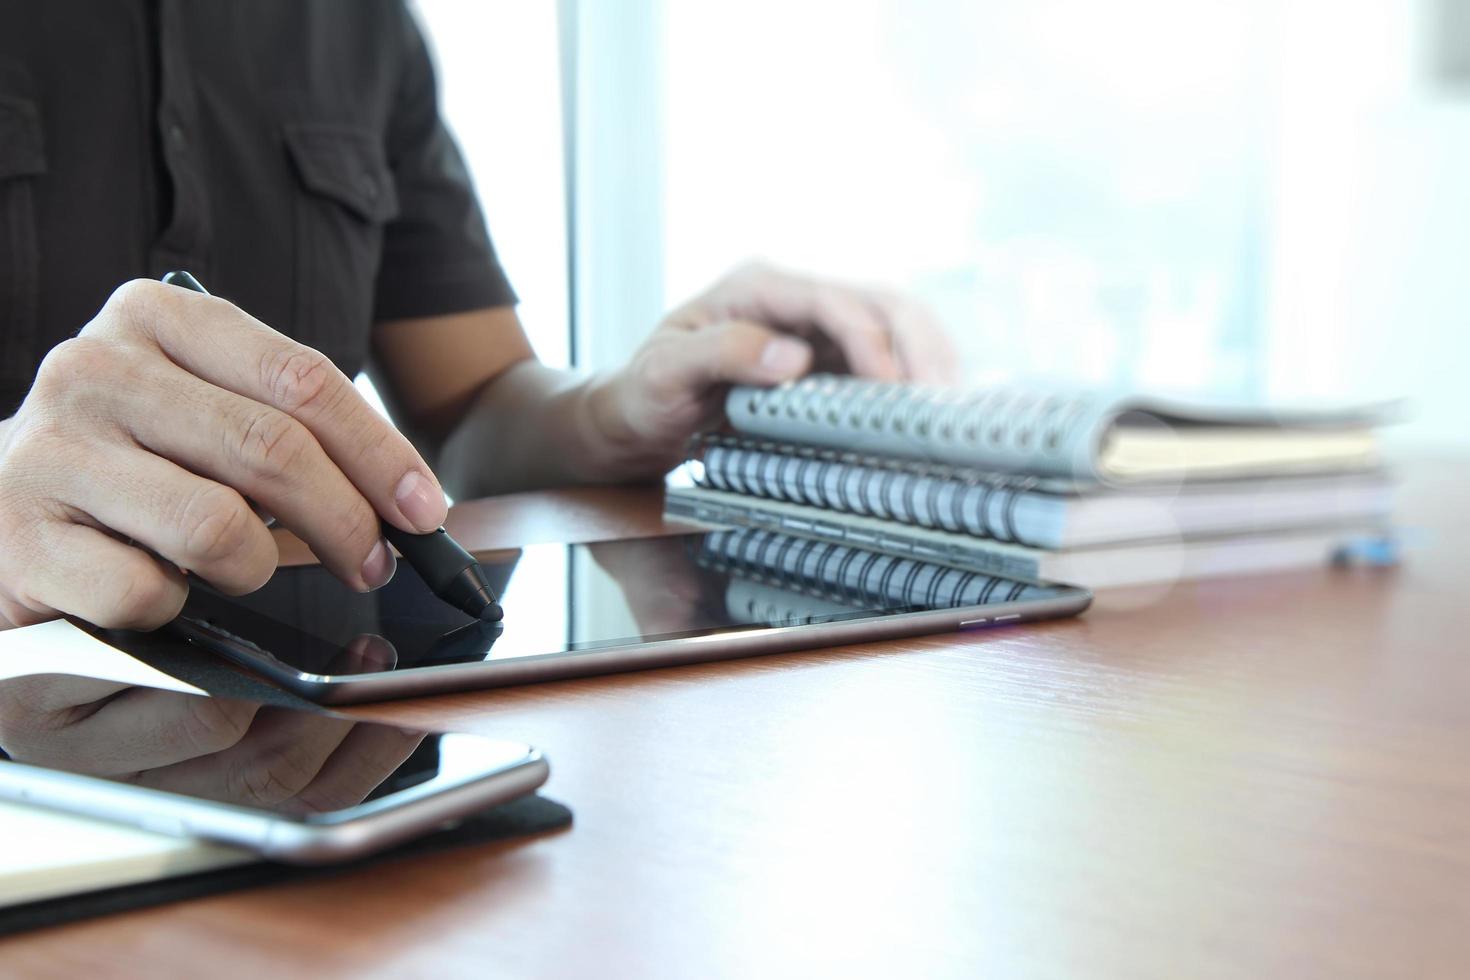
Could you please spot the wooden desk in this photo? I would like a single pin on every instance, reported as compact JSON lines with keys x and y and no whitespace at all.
{"x":1244,"y":778}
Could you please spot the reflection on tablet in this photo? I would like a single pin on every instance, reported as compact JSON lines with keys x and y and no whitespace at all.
{"x":219,"y":749}
{"x":561,"y":598}
{"x":780,"y":579}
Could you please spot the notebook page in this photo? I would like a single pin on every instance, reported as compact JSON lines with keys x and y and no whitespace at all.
{"x":49,"y":853}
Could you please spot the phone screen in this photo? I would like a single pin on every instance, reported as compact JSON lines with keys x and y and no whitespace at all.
{"x":304,"y":765}
{"x":562,"y":599}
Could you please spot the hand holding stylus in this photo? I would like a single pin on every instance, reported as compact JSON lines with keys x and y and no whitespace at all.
{"x":134,"y":454}
{"x":450,"y":571}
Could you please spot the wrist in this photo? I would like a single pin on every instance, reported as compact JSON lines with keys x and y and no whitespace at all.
{"x":616,"y":451}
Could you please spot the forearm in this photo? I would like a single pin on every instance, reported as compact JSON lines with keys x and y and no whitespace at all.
{"x":534,"y":427}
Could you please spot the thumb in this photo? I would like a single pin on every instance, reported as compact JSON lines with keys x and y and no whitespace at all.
{"x":737,"y":352}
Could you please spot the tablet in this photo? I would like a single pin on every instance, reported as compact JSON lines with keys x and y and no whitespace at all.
{"x":578,"y":610}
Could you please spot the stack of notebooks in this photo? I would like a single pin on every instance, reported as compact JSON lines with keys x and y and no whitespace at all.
{"x":1043,"y":483}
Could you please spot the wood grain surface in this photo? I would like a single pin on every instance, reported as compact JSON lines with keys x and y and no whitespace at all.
{"x":1251,"y":777}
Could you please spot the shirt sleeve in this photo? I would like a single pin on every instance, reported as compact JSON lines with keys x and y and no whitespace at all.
{"x":437,"y":255}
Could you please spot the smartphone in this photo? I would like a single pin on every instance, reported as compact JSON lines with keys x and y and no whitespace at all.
{"x":295,"y":786}
{"x":578,"y":610}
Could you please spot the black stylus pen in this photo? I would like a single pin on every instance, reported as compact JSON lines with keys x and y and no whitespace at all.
{"x":451,"y":572}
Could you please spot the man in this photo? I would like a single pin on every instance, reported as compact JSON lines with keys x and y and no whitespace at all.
{"x":291,"y":155}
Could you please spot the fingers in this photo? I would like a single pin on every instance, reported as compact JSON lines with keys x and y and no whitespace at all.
{"x":33,"y":708}
{"x":199,"y":525}
{"x":878,"y":334}
{"x":217,"y":342}
{"x":276,"y":759}
{"x":144,"y":729}
{"x":293,"y":760}
{"x":925,"y":353}
{"x":779,"y":298}
{"x":138,"y":729}
{"x":367,"y":756}
{"x":732,"y":352}
{"x":104,"y":728}
{"x":217,"y":748}
{"x":269,"y":457}
{"x":61,"y":696}
{"x":88,"y":573}
{"x":153,"y":426}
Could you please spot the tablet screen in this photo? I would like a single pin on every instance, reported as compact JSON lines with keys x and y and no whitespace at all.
{"x":569,"y":598}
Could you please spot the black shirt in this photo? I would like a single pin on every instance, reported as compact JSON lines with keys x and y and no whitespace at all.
{"x":287,"y":152}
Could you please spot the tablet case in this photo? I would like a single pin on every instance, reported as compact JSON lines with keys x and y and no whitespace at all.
{"x":202,"y":668}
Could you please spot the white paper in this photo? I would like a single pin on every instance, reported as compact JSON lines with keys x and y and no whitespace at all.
{"x":58,"y":647}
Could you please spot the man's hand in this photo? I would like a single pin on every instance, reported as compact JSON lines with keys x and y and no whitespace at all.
{"x":758,"y":326}
{"x":497,"y":421}
{"x":132,"y":459}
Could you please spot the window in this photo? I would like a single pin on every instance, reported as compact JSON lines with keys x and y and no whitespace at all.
{"x":500,"y":93}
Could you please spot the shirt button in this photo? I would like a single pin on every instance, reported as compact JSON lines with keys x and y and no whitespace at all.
{"x":176,"y":135}
{"x":369,"y":187}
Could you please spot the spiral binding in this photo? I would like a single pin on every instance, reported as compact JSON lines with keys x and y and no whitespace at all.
{"x":934,"y":423}
{"x":937,"y":497}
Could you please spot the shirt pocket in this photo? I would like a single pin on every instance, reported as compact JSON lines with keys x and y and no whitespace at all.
{"x":346,"y":196}
{"x":22,"y":163}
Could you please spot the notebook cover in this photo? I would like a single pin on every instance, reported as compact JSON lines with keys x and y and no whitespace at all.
{"x":1042,"y":429}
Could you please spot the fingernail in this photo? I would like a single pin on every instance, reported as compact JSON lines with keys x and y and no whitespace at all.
{"x":784,"y":357}
{"x":420,"y":501}
{"x":379,"y":566}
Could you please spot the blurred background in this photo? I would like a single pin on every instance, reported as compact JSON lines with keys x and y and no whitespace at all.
{"x":1255,"y":199}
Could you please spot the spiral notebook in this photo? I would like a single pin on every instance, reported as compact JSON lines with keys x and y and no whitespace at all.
{"x":1026,"y":510}
{"x":1050,"y":431}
